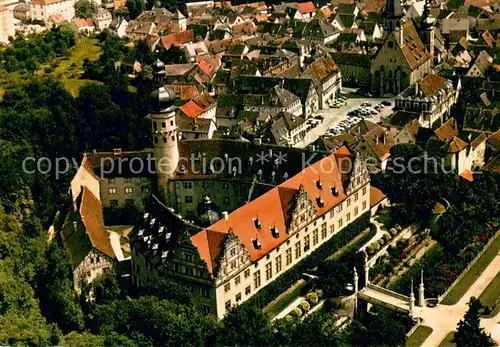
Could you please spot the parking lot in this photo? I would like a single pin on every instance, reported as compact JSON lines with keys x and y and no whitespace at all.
{"x":333,"y":116}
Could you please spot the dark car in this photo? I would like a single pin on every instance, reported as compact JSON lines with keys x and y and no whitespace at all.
{"x":386,"y":103}
{"x":319,"y":117}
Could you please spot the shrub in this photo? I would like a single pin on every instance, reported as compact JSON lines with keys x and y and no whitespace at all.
{"x":304,"y":305}
{"x":319,"y":293}
{"x":393,"y":231}
{"x":312,"y":298}
{"x":289,"y":318}
{"x":399,"y":227}
{"x":376,"y":246}
{"x":370,"y":250}
{"x":387,"y":236}
{"x":381,"y":242}
{"x":296,"y":312}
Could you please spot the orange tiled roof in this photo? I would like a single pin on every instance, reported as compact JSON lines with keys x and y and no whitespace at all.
{"x":185,"y":91}
{"x":82,"y":22}
{"x":456,"y":145}
{"x":57,"y":18}
{"x":430,"y":84}
{"x":191,"y":109}
{"x":177,"y":39}
{"x":272,"y":210}
{"x":413,"y":49}
{"x":119,"y":4}
{"x":488,"y":38}
{"x":306,"y":7}
{"x":91,"y":212}
{"x":467,"y":174}
{"x":322,"y":67}
{"x":376,"y":196}
{"x":447,"y":131}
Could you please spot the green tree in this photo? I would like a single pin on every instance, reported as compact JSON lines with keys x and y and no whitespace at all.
{"x":85,"y":9}
{"x":469,"y":332}
{"x":135,"y":7}
{"x":246,"y":326}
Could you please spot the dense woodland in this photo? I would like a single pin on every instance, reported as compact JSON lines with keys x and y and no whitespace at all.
{"x":39,"y":118}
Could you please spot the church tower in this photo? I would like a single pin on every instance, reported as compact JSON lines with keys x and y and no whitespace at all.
{"x":392,"y":14}
{"x":165,"y":137}
{"x":427,"y":28}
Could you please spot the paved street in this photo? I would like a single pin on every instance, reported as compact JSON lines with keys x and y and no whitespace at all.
{"x":333,"y":116}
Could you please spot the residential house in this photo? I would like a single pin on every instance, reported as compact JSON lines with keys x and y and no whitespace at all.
{"x":195,"y":50}
{"x":118,"y":26}
{"x":319,"y":31}
{"x":83,"y":25}
{"x":355,"y":68}
{"x":480,"y":65}
{"x":276,"y":100}
{"x":372,"y":30}
{"x":307,"y":10}
{"x":138,"y":30}
{"x":288,"y":129}
{"x":178,"y":39}
{"x":102,"y":19}
{"x":432,"y":97}
{"x":204,"y":106}
{"x":408,"y":134}
{"x":374,"y":147}
{"x":43,"y":9}
{"x":22,"y":12}
{"x":343,"y":21}
{"x":6,"y":24}
{"x":327,"y":78}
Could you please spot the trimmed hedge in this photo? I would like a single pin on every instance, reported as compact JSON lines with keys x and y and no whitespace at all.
{"x":304,"y":305}
{"x":287,"y":279}
{"x":312,"y":298}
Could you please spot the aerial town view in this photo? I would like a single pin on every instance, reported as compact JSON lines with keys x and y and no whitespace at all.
{"x":240,"y":173}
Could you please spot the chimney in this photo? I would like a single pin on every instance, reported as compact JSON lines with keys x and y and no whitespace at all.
{"x":225,"y":215}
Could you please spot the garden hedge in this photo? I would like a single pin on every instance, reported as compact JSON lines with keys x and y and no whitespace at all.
{"x":287,"y":279}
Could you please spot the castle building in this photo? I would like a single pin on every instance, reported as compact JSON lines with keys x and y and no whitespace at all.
{"x":403,"y":59}
{"x":232,"y":215}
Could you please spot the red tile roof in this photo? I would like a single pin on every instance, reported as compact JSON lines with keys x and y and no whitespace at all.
{"x":272,"y":210}
{"x":306,"y":7}
{"x":177,"y":39}
{"x":191,"y":109}
{"x":467,"y":174}
{"x":119,"y":4}
{"x":185,"y":91}
{"x":430,"y":84}
{"x":376,"y":196}
{"x":413,"y":49}
{"x":91,"y":213}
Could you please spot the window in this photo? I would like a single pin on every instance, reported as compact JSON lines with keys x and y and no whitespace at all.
{"x":303,"y":218}
{"x":256,"y":279}
{"x":237,"y":280}
{"x":205,"y":292}
{"x":88,"y":274}
{"x":364,"y":205}
{"x":297,"y":250}
{"x":348,"y":202}
{"x":233,"y":264}
{"x":188,"y":257}
{"x":348,"y":217}
{"x":238,"y":297}
{"x":306,"y":243}
{"x":332,"y":228}
{"x":187,"y":185}
{"x":228,"y":304}
{"x":163,"y":124}
{"x":356,"y":211}
{"x":189,"y":271}
{"x":331,"y":213}
{"x":278,"y":263}
{"x":227,"y":287}
{"x":356,"y":196}
{"x":340,"y":222}
{"x":269,"y":271}
{"x":172,"y":123}
{"x":112,"y":190}
{"x":129,"y":190}
{"x":364,"y":191}
{"x":232,"y":251}
{"x":315,"y":237}
{"x":339,"y":208}
{"x":113,"y":203}
{"x":246,"y":273}
{"x":288,"y":256}
{"x":248,"y":290}
{"x":188,"y":199}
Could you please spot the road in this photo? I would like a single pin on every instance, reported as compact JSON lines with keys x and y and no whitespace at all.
{"x":334,"y":116}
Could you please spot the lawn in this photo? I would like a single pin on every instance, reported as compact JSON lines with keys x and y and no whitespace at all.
{"x":419,"y":336}
{"x":68,"y":71}
{"x":475,"y":271}
{"x":491,"y":294}
{"x":447,"y":340}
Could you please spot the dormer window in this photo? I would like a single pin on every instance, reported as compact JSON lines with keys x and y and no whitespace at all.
{"x":160,"y":229}
{"x":257,"y":224}
{"x":335,"y":192}
{"x":164,"y":254}
{"x":141,"y":232}
{"x":320,"y":202}
{"x":152,"y":221}
{"x":167,"y":236}
{"x":256,"y":244}
{"x":275,"y":232}
{"x":319,"y":185}
{"x":146,"y":215}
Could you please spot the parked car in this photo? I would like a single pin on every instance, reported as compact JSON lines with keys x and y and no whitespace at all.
{"x":386,"y":103}
{"x":319,"y":117}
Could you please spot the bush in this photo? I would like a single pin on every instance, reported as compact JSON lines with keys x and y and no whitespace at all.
{"x":304,"y":305}
{"x":319,"y":293}
{"x":296,"y":312}
{"x":289,"y":318}
{"x":312,"y":298}
{"x":381,"y":242}
{"x":393,"y":231}
{"x":284,"y":281}
{"x":376,"y":246}
{"x":387,"y":236}
{"x":399,"y":227}
{"x":370,"y":250}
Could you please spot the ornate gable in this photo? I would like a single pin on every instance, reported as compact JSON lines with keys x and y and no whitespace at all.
{"x":232,"y":257}
{"x":302,"y":211}
{"x":358,"y":176}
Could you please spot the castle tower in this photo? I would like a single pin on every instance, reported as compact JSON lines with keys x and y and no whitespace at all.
{"x":180,"y":20}
{"x":427,"y":28}
{"x":164,"y":128}
{"x":412,"y":300}
{"x":421,"y":289}
{"x":392,"y":14}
